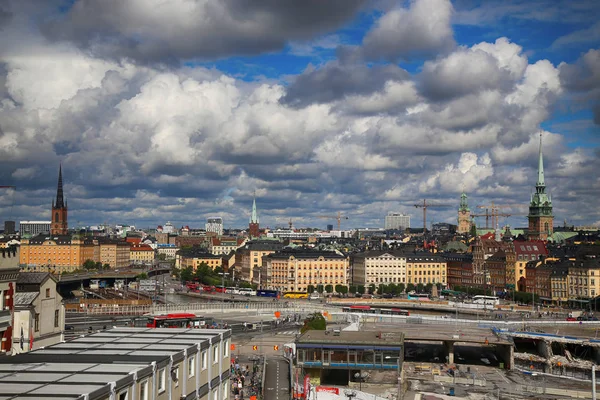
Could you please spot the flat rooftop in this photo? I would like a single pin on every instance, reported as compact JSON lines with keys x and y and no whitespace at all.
{"x":352,"y":337}
{"x":86,"y":366}
{"x":434,"y":333}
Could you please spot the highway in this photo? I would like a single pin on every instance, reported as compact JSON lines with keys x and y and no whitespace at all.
{"x":277,"y":379}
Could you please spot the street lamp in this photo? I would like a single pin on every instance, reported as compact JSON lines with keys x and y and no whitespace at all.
{"x":223,"y":274}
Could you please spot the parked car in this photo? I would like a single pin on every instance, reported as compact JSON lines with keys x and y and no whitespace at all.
{"x":571,"y":319}
{"x":387,"y":296}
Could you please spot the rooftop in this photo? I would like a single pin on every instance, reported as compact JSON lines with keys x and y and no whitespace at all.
{"x":352,"y":337}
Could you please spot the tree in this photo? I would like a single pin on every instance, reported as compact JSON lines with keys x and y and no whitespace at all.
{"x":420,"y":287}
{"x":410,"y":287}
{"x":98,"y":265}
{"x":246,"y":285}
{"x":401,"y":288}
{"x":310,"y":289}
{"x":372,"y":288}
{"x":329,"y":288}
{"x":187,"y":274}
{"x":141,"y":276}
{"x":89,"y":264}
{"x":320,"y":288}
{"x":429,"y":287}
{"x":106,"y":266}
{"x":314,"y":322}
{"x":392,"y":288}
{"x":162,"y":257}
{"x":353,"y":289}
{"x":473,"y":231}
{"x":341,"y":289}
{"x":361,"y":289}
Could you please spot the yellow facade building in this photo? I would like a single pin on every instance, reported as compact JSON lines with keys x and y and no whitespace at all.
{"x":584,"y":278}
{"x":426,"y":268}
{"x":194,"y":257}
{"x":55,"y":254}
{"x":141,"y":254}
{"x":115,"y":253}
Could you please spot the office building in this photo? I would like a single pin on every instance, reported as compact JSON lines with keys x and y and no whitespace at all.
{"x":214,"y":224}
{"x":379,"y":267}
{"x":33,"y":228}
{"x":9,"y":227}
{"x":397,"y":221}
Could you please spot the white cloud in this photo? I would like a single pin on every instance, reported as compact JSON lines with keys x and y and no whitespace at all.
{"x":467,"y":175}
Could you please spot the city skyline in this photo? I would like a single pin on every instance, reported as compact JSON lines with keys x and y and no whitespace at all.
{"x":348,"y":107}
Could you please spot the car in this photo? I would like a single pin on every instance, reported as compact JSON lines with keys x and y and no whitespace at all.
{"x":387,"y":296}
{"x":571,"y":319}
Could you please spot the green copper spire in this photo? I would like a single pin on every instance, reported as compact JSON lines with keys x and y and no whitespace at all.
{"x":464,"y":206}
{"x":254,"y":217}
{"x":540,"y":180}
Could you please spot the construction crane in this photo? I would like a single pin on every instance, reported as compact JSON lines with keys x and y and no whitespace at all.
{"x":425,"y":205}
{"x":339,"y":217}
{"x":492,"y":212}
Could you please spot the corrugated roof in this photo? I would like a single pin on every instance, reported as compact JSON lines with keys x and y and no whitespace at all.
{"x":25,"y":298}
{"x":32,"y":277}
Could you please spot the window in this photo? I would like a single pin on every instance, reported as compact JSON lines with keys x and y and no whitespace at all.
{"x":162,"y":377}
{"x":48,"y":293}
{"x":56,"y":314}
{"x":215,"y":395}
{"x":215,"y":354}
{"x":191,"y":366}
{"x":175,"y":375}
{"x":225,"y":391}
{"x":144,"y":390}
{"x":123,"y":396}
{"x":226,"y":348}
{"x":36,"y":322}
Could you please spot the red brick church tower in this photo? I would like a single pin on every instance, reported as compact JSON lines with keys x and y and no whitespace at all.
{"x":59,"y":210}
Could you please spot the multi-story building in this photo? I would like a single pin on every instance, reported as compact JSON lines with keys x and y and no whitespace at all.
{"x":296,"y":270}
{"x":225,"y":245}
{"x":464,"y":215}
{"x":379,"y":267}
{"x":115,"y":253}
{"x":9,"y":271}
{"x":169,"y":250}
{"x":250,"y":257}
{"x":39,"y":316}
{"x":559,"y":281}
{"x":459,"y":268}
{"x":538,"y":280}
{"x":141,"y":254}
{"x":398,"y":221}
{"x":584,"y":278}
{"x":540,"y":215}
{"x":59,"y":214}
{"x":124,"y":364}
{"x":215,"y":225}
{"x":482,"y":250}
{"x":55,"y":254}
{"x":33,"y":228}
{"x":495,"y":265}
{"x":195,"y":256}
{"x":524,"y":252}
{"x":9,"y":227}
{"x":426,"y":268}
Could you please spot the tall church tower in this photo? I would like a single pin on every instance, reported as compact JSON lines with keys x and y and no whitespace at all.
{"x":464,"y":215}
{"x":253,"y":227}
{"x":540,"y":208}
{"x":59,"y":210}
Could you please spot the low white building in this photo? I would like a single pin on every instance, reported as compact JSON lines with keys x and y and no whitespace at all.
{"x":379,"y":267}
{"x":39,"y":315}
{"x":169,"y":250}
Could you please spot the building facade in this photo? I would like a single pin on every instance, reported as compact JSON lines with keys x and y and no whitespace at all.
{"x":540,"y":215}
{"x":169,"y":250}
{"x":524,"y":251}
{"x":9,"y":272}
{"x":559,"y":282}
{"x":141,"y":254}
{"x":39,"y":316}
{"x":482,"y":250}
{"x":254,"y":225}
{"x":379,"y":267}
{"x":584,"y":278}
{"x":295,"y":271}
{"x":59,"y":225}
{"x":9,"y":227}
{"x":459,"y":269}
{"x":215,"y":225}
{"x":249,"y":258}
{"x":194,"y":257}
{"x":398,"y":221}
{"x":55,"y":254}
{"x":464,"y":215}
{"x":225,"y":245}
{"x":115,"y":253}
{"x":426,"y":268}
{"x":33,"y":228}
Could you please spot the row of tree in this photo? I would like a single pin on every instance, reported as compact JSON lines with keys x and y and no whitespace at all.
{"x":206,"y":275}
{"x":392,"y":288}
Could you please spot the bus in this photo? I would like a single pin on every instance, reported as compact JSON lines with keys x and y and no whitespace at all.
{"x":419,"y":296}
{"x":267,"y":293}
{"x":487,"y":300}
{"x":247,"y":292}
{"x":220,"y":289}
{"x":295,"y":295}
{"x":232,"y":290}
{"x":176,"y":320}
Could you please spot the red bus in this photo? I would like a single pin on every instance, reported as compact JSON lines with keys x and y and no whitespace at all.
{"x":176,"y":320}
{"x":207,"y":288}
{"x":220,"y":289}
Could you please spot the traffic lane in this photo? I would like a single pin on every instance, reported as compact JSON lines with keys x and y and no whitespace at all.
{"x":277,"y":379}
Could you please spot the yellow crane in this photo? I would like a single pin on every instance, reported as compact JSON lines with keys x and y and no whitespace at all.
{"x":339,"y":217}
{"x":492,"y":211}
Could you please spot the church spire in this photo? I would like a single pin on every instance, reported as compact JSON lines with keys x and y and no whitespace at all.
{"x":60,"y":202}
{"x":540,"y":180}
{"x":254,"y":217}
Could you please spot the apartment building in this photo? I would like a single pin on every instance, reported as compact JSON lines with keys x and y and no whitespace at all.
{"x":124,"y":363}
{"x":55,"y":253}
{"x":483,"y":249}
{"x":115,"y":253}
{"x":169,"y":250}
{"x":538,"y":280}
{"x":559,"y":282}
{"x":249,"y":258}
{"x":459,"y":268}
{"x":525,"y":251}
{"x":39,"y":315}
{"x":193,"y":257}
{"x":426,"y":268}
{"x":141,"y":254}
{"x":9,"y":271}
{"x":296,"y":270}
{"x":379,"y":267}
{"x":225,"y":245}
{"x":584,"y":278}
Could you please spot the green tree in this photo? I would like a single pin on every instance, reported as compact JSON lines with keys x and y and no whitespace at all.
{"x":314,"y":322}
{"x":320,"y":288}
{"x":429,"y":287}
{"x":361,"y":289}
{"x":353,"y":289}
{"x":106,"y":266}
{"x":372,"y":288}
{"x":410,"y":287}
{"x":98,"y":265}
{"x":473,"y":231}
{"x":141,"y":276}
{"x":310,"y":289}
{"x":329,"y":288}
{"x":176,"y":272}
{"x":246,"y":285}
{"x":187,"y":274}
{"x":89,"y":264}
{"x":401,"y":288}
{"x":392,"y":288}
{"x":341,"y":289}
{"x":381,"y":289}
{"x":420,"y":287}
{"x":162,"y":257}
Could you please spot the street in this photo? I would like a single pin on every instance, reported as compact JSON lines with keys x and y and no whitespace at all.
{"x":277,"y":379}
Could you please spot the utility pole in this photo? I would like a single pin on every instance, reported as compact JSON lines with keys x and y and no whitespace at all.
{"x":223,"y":297}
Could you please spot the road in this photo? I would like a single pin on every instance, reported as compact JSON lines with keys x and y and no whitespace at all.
{"x":277,"y":379}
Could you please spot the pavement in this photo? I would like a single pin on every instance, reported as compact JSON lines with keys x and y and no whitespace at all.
{"x":277,"y":379}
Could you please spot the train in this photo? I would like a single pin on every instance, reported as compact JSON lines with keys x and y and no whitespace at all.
{"x":375,"y":310}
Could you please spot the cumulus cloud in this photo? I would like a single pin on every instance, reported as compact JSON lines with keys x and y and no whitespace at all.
{"x":422,"y":29}
{"x":470,"y":171}
{"x":583,"y":79}
{"x":157,"y":30}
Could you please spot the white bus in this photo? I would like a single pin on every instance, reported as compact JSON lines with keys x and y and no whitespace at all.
{"x":488,"y":300}
{"x":247,"y":292}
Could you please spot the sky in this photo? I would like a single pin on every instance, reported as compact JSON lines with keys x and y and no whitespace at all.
{"x":178,"y":110}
